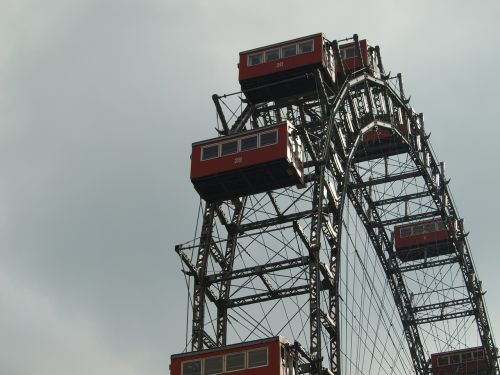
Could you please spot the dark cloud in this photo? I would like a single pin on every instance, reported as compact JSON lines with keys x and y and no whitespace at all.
{"x":99,"y":103}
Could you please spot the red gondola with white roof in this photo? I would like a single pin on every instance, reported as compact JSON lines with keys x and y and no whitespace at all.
{"x":271,"y":356}
{"x":421,"y":240}
{"x":286,"y":69}
{"x":470,"y":361}
{"x":247,"y":163}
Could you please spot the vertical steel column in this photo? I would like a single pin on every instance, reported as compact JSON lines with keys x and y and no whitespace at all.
{"x":315,"y":240}
{"x":334,"y":295}
{"x":225,"y":287}
{"x":199,"y":285}
{"x":314,"y":279}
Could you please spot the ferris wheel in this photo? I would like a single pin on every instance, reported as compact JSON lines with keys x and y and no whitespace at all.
{"x":328,"y":240}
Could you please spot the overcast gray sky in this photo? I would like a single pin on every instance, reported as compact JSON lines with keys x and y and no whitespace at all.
{"x":99,"y":103}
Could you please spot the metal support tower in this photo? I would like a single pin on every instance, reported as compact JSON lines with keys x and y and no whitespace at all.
{"x":258,"y":273}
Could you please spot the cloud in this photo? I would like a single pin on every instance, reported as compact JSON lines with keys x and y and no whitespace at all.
{"x":37,"y":334}
{"x":99,"y":103}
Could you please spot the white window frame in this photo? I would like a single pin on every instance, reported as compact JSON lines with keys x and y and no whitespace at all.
{"x":465,"y":359}
{"x":288,"y":45}
{"x":230,"y":141}
{"x":194,"y":360}
{"x":270,"y":144}
{"x":405,"y":228}
{"x":305,"y":41}
{"x":215,"y":356}
{"x":254,"y":350}
{"x":262,"y":53}
{"x":240,"y":369}
{"x":280,"y":52}
{"x":353,"y":48}
{"x":433,"y":227}
{"x":272,"y":49}
{"x":250,"y":149}
{"x":445,"y":357}
{"x":210,"y":145}
{"x":414,"y":230}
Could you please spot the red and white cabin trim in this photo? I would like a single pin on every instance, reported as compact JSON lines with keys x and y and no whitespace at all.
{"x":269,"y":356}
{"x":285,"y":69}
{"x":471,"y":361}
{"x":420,"y":240}
{"x":247,"y":163}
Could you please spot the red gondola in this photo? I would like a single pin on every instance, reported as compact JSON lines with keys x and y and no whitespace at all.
{"x":351,"y":59}
{"x":382,"y":134}
{"x":285,"y":69}
{"x":247,"y":163}
{"x":271,"y":356}
{"x":421,"y":240}
{"x":381,"y":141}
{"x":460,"y":362}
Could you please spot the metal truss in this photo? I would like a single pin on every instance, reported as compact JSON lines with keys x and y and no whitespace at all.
{"x":304,"y":221}
{"x":429,"y":198}
{"x":270,"y":264}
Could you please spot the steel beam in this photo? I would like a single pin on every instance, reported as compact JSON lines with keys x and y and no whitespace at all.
{"x":274,"y":221}
{"x":401,"y":198}
{"x":257,"y":270}
{"x":405,"y":219}
{"x":384,"y":180}
{"x":438,"y":318}
{"x":441,"y":305}
{"x":427,"y":264}
{"x":268,"y":296}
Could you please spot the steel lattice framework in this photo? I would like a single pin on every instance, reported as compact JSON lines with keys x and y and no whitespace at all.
{"x":270,"y":263}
